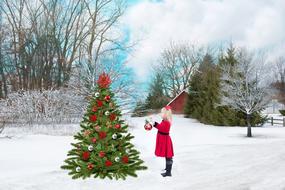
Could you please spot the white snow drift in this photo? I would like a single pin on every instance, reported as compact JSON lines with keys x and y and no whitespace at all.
{"x":206,"y":158}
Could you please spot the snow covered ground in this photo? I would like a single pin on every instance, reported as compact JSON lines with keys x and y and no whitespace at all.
{"x":206,"y":158}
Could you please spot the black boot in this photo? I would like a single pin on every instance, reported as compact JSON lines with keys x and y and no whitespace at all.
{"x":169,"y":163}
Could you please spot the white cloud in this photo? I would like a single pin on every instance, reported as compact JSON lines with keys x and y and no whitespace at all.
{"x":258,"y":24}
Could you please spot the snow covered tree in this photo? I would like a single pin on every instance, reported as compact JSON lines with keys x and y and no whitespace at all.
{"x":244,"y":85}
{"x":205,"y":95}
{"x":103,"y":147}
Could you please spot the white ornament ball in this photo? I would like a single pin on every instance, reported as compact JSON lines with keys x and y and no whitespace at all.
{"x":114,"y":136}
{"x":117,"y":159}
{"x":97,"y":94}
{"x":107,"y":113}
{"x":77,"y":169}
{"x":90,"y":147}
{"x":128,"y":151}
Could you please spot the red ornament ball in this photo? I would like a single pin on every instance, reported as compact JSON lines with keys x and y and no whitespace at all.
{"x":104,"y":80}
{"x":90,"y":166}
{"x":125,"y":159}
{"x":148,"y":126}
{"x":94,"y":108}
{"x":99,"y":103}
{"x":102,"y":134}
{"x":111,"y":105}
{"x":108,"y":163}
{"x":92,"y":118}
{"x":112,"y":117}
{"x":101,"y":154}
{"x":94,"y":140}
{"x":107,"y":98}
{"x":87,"y":133}
{"x":97,"y":128}
{"x":85,"y":155}
{"x":117,"y":126}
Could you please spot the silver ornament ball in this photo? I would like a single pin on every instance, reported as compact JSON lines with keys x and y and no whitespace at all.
{"x":77,"y":169}
{"x":107,"y":113}
{"x":97,"y":94}
{"x":117,"y":159}
{"x":114,"y":136}
{"x":90,"y":147}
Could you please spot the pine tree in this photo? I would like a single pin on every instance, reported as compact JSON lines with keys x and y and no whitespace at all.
{"x":238,"y":117}
{"x":140,"y":109}
{"x":203,"y":102}
{"x":204,"y":93}
{"x":156,"y":98}
{"x":103,"y":148}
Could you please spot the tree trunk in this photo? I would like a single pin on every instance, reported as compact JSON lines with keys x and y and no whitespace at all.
{"x":1,"y":91}
{"x":3,"y":82}
{"x":248,"y":125}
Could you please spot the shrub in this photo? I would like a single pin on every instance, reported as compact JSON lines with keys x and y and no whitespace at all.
{"x":282,"y":112}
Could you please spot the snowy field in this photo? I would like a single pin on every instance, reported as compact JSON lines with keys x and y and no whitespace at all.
{"x":206,"y":158}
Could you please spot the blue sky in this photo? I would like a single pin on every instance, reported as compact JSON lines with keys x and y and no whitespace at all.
{"x":255,"y":24}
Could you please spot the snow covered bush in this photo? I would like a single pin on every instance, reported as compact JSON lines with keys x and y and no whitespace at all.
{"x":54,"y":106}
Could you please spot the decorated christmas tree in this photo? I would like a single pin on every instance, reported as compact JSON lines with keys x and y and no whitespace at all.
{"x":103,"y":148}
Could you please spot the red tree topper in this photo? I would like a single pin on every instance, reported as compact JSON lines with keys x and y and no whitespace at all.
{"x":85,"y":155}
{"x":104,"y":81}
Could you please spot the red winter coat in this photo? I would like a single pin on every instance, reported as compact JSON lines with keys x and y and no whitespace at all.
{"x":164,"y":147}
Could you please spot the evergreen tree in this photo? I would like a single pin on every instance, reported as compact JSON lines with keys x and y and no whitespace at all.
{"x":238,"y":117}
{"x":103,"y":147}
{"x":204,"y":93}
{"x":140,"y":109}
{"x":203,"y":102}
{"x":156,"y":98}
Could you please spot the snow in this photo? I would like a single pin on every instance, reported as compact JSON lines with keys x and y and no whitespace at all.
{"x":206,"y":158}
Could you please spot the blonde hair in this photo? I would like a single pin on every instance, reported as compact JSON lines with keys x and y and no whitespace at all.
{"x":166,"y":114}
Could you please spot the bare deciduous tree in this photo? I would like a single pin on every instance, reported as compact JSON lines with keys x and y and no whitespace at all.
{"x":47,"y":38}
{"x":177,"y":64}
{"x":279,"y":83}
{"x":3,"y":78}
{"x":83,"y":80}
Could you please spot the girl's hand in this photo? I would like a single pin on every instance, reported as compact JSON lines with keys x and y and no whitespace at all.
{"x":150,"y":121}
{"x":155,"y":124}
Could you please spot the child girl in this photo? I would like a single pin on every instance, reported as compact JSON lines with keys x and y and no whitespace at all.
{"x":164,"y":147}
